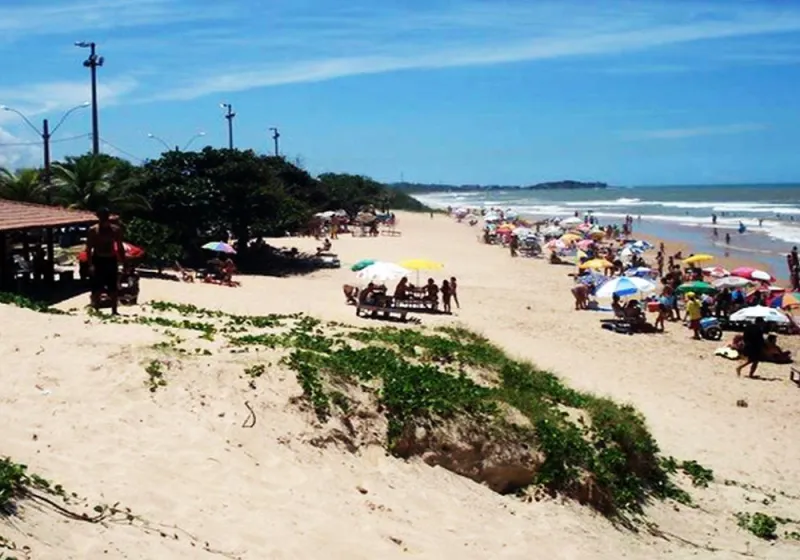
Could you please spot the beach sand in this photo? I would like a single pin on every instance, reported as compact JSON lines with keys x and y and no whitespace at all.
{"x":75,"y":408}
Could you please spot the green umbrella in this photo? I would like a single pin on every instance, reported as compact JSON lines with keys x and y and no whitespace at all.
{"x":362,"y":264}
{"x":696,"y":287}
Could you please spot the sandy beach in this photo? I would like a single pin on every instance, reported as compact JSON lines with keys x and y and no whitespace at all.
{"x":76,"y":410}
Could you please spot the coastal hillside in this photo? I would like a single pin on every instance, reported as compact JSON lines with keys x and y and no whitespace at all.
{"x":259,"y":421}
{"x":421,"y":188}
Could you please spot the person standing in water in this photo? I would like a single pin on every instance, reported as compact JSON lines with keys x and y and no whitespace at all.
{"x":105,"y":253}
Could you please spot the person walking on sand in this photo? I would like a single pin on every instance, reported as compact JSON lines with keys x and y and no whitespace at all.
{"x":105,"y":253}
{"x":694,"y":313}
{"x":753,"y":346}
{"x":454,"y":291}
{"x":447,"y":293}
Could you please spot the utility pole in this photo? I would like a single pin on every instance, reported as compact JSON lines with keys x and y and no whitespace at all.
{"x":45,"y":134}
{"x":92,"y":63}
{"x":275,"y":136}
{"x":229,"y":115}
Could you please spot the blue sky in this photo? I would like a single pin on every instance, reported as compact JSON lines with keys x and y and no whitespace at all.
{"x":502,"y":91}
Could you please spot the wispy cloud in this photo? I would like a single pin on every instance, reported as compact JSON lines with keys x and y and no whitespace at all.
{"x":15,"y":151}
{"x":26,"y":18}
{"x":693,"y":132}
{"x":44,"y":98}
{"x":225,"y":48}
{"x":478,"y":34}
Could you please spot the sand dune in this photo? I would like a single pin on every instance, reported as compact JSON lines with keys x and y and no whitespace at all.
{"x":181,"y":458}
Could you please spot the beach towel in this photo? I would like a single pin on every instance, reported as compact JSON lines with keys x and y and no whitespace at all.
{"x":727,"y":352}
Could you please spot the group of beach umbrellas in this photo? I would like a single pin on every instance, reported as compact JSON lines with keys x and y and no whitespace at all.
{"x":371,"y":270}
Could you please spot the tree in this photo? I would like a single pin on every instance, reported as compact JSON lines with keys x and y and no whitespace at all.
{"x":158,"y":240}
{"x":92,"y":182}
{"x":22,"y":186}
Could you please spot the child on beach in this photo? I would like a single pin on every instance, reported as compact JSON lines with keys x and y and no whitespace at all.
{"x":446,"y":295}
{"x":454,"y":291}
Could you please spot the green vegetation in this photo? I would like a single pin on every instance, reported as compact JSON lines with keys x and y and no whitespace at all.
{"x":155,"y":375}
{"x":427,"y":382}
{"x":588,"y":447}
{"x":26,"y":303}
{"x":760,"y":524}
{"x":170,"y":206}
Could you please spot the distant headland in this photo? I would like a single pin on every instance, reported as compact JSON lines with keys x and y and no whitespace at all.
{"x":550,"y":185}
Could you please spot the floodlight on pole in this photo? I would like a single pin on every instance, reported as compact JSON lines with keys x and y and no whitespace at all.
{"x":229,"y":115}
{"x":93,"y":62}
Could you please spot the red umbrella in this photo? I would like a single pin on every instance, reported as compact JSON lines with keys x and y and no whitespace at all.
{"x":131,"y":252}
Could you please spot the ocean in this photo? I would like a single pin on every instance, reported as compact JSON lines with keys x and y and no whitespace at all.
{"x":770,"y":213}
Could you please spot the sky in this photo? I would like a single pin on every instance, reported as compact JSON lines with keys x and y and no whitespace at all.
{"x":435,"y":91}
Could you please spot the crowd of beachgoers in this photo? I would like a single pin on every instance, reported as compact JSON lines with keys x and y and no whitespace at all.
{"x":646,"y":287}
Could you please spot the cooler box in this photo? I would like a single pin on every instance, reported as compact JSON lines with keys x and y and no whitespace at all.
{"x":652,"y":306}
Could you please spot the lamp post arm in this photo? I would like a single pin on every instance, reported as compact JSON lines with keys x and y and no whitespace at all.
{"x":27,"y":121}
{"x":63,"y":118}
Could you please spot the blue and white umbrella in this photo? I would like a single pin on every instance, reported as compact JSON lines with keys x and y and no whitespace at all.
{"x":624,"y":286}
{"x":641,"y":272}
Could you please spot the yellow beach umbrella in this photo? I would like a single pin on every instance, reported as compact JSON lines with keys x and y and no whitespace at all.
{"x":421,"y":264}
{"x":698,"y":258}
{"x":570,"y":237}
{"x":596,"y":264}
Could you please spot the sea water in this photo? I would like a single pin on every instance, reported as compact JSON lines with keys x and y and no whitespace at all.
{"x":770,"y":214}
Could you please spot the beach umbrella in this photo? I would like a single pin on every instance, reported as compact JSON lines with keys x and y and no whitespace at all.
{"x":642,"y":245}
{"x":552,"y":230}
{"x":596,"y":264}
{"x":219,"y":247}
{"x":788,"y":300}
{"x":716,"y":271}
{"x":752,"y":313}
{"x":624,"y":286}
{"x":382,"y":272}
{"x":694,"y":259}
{"x":571,"y":222}
{"x":362,"y":264}
{"x":524,"y":233}
{"x":752,"y":274}
{"x":696,"y":287}
{"x":571,"y":237}
{"x":640,"y":271}
{"x":421,"y":264}
{"x":628,"y":252}
{"x":597,"y":235}
{"x":731,"y":282}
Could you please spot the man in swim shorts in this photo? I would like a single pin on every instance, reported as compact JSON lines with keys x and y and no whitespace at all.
{"x":105,"y":253}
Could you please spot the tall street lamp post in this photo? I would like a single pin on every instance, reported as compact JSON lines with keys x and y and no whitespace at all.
{"x":229,"y":115}
{"x":45,"y":133}
{"x":92,"y":63}
{"x":275,"y":136}
{"x":177,"y":147}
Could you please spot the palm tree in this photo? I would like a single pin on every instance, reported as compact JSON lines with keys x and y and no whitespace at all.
{"x":22,"y":186}
{"x":88,"y":183}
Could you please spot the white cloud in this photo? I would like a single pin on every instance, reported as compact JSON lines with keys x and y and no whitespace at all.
{"x":483,"y":35}
{"x":50,"y":98}
{"x":17,"y":152}
{"x":693,"y":132}
{"x":28,"y":18}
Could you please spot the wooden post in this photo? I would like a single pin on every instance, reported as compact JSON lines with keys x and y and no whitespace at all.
{"x":50,"y":268}
{"x":6,"y":265}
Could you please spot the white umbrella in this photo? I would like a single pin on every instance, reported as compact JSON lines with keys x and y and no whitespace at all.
{"x":552,"y":230}
{"x":624,"y":286}
{"x":382,"y":272}
{"x":571,"y":221}
{"x":730,"y":282}
{"x":717,"y":271}
{"x":769,"y":314}
{"x":524,"y":232}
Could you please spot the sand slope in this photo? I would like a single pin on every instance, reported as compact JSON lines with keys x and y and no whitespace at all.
{"x":180,"y":457}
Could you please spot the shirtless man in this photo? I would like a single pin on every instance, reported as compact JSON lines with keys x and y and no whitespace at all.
{"x":105,"y":252}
